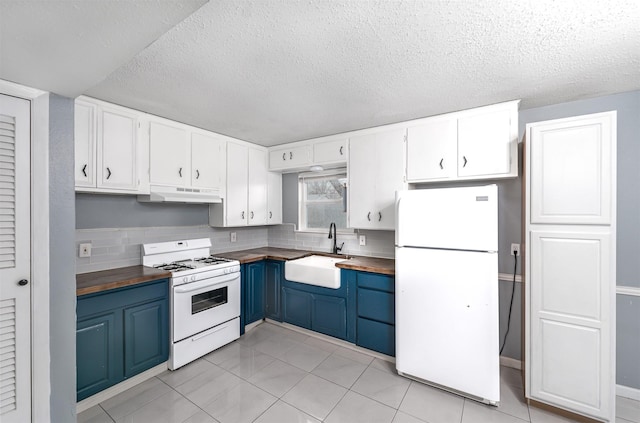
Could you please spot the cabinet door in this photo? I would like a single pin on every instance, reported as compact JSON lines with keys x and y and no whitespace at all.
{"x":329,"y":315}
{"x":296,"y":307}
{"x":237,"y":184}
{"x":254,"y":301}
{"x":389,"y":177}
{"x":98,"y":353}
{"x":376,"y":336}
{"x":330,"y":152}
{"x":146,"y":336}
{"x":169,"y":155}
{"x":274,"y":198}
{"x":290,"y":157}
{"x":117,"y":149}
{"x":571,"y":170}
{"x":362,"y":174}
{"x":431,"y":150}
{"x":206,"y":152}
{"x":486,"y":142}
{"x":85,"y":143}
{"x":257,"y":202}
{"x":273,"y":279}
{"x":571,"y":297}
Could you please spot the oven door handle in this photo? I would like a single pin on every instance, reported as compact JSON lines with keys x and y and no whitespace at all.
{"x":206,"y":283}
{"x":209,"y":332}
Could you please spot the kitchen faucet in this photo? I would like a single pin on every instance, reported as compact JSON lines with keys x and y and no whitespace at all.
{"x":336,"y":249}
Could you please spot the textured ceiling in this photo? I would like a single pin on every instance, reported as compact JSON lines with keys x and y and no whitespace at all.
{"x":275,"y":71}
{"x":69,"y":46}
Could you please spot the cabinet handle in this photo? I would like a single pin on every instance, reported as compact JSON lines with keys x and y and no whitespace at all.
{"x":270,"y":215}
{"x":108,"y":173}
{"x":197,"y":174}
{"x":180,"y":172}
{"x":379,"y":216}
{"x":290,"y":155}
{"x":84,"y":170}
{"x":284,"y":156}
{"x":251,"y":215}
{"x":441,"y":164}
{"x":341,"y":147}
{"x":465,"y":161}
{"x":242,"y":214}
{"x":369,"y":216}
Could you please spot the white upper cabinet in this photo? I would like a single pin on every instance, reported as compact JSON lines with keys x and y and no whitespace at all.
{"x":376,"y":172}
{"x":247,"y":190}
{"x":289,"y":157}
{"x":257,"y":198}
{"x":431,"y":150}
{"x":479,"y":143}
{"x":274,"y":198}
{"x":107,"y":146}
{"x":208,"y":157}
{"x":327,"y":152}
{"x":183,"y":156}
{"x":169,"y":154}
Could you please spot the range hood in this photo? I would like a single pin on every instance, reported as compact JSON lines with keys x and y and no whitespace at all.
{"x":159,"y":194}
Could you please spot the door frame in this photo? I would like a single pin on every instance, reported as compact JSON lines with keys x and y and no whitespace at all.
{"x":40,"y":368}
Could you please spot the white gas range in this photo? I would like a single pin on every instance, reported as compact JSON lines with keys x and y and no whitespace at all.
{"x":205,"y":297}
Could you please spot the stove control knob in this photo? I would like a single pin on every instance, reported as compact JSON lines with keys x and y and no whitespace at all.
{"x":185,"y":279}
{"x":193,"y":278}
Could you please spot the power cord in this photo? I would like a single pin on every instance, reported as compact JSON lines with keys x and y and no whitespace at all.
{"x":513,"y":291}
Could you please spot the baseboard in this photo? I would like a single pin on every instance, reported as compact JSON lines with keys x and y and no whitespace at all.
{"x":510,"y":362}
{"x":628,"y":392}
{"x":111,"y":392}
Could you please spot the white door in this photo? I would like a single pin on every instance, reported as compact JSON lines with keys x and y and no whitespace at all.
{"x":257,"y":200}
{"x":571,"y":319}
{"x":15,"y":260}
{"x":389,"y":177}
{"x":85,"y":144}
{"x":118,"y":149}
{"x":431,"y":150}
{"x":168,"y":155}
{"x":274,"y":198}
{"x":362,"y":189}
{"x":205,"y":156}
{"x":237,"y":183}
{"x":485,"y":143}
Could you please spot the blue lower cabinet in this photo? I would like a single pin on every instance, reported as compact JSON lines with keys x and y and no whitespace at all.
{"x":273,"y":284}
{"x":98,"y":341}
{"x":329,"y":315}
{"x":120,"y":333}
{"x":254,"y":293}
{"x":296,"y":307}
{"x":376,"y":336}
{"x":145,"y":336}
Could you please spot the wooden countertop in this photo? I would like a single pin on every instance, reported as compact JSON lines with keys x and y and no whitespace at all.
{"x":365,"y":264}
{"x":89,"y":283}
{"x":370,"y":264}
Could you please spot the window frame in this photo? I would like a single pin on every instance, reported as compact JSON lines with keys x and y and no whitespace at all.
{"x":302,"y":210}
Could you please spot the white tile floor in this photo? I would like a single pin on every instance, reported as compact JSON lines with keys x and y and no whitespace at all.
{"x":276,"y":375}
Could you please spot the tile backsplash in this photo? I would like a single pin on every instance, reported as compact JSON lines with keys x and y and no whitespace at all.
{"x":120,"y":247}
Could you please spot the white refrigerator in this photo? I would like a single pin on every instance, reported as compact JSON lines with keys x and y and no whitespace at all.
{"x":447,"y":289}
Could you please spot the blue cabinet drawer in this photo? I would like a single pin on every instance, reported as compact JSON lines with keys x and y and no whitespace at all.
{"x":101,"y":302}
{"x":376,"y":305}
{"x":376,"y":336}
{"x":376,"y":281}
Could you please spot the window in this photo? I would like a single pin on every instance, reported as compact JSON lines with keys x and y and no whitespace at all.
{"x":322,"y":200}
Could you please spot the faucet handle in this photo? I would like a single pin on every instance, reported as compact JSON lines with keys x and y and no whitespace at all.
{"x":338,"y":249}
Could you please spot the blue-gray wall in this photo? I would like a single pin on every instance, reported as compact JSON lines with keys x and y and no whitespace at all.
{"x":124,"y":211}
{"x":62,"y":278}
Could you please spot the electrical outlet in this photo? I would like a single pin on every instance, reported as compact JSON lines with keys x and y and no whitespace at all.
{"x":516,"y":248}
{"x":84,"y":250}
{"x":363,"y":240}
{"x":233,"y":237}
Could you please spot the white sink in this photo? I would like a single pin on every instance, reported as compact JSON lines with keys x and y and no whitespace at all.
{"x":314,"y":270}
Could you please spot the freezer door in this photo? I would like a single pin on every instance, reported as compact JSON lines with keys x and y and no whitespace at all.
{"x":447,"y":319}
{"x":454,"y":218}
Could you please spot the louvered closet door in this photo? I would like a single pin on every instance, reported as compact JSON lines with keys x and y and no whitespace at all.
{"x":15,"y":336}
